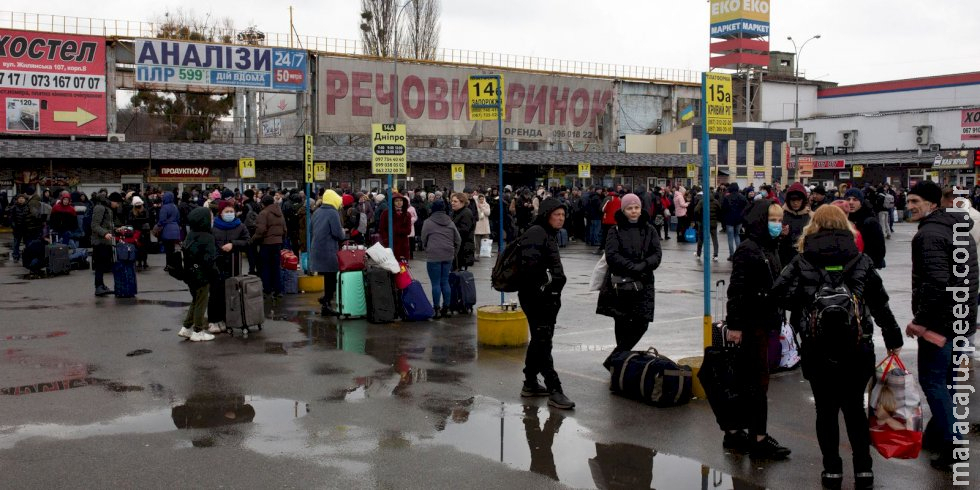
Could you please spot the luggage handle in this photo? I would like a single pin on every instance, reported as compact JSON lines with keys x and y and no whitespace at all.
{"x":892,"y":358}
{"x":720,"y":304}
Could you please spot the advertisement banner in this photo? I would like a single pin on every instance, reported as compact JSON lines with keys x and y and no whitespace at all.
{"x":970,"y":124}
{"x":806,"y":167}
{"x":825,"y":164}
{"x":953,"y":160}
{"x":52,"y":84}
{"x":433,"y":100}
{"x":177,"y":65}
{"x":739,"y":17}
{"x":388,"y":149}
{"x":718,"y":103}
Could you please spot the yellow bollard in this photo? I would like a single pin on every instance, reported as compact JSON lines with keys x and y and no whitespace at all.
{"x":499,"y":327}
{"x":311,"y":284}
{"x":695,"y":364}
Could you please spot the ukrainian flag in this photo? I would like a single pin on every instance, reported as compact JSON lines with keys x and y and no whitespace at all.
{"x":687,"y":113}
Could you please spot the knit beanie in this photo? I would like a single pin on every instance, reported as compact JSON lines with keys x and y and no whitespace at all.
{"x":631,"y":199}
{"x":855,"y":193}
{"x":438,"y":206}
{"x":928,"y":191}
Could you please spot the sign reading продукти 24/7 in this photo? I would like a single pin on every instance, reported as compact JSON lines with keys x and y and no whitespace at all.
{"x":163,"y":63}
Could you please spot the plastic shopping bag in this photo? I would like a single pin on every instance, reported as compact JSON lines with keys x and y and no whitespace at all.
{"x":895,"y":411}
{"x":599,"y":274}
{"x":384,"y":257}
{"x":486,"y":247}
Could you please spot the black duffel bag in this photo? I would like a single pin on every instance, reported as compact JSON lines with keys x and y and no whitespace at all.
{"x":650,"y":377}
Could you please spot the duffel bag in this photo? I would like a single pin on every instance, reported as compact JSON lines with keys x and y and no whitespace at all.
{"x":650,"y":377}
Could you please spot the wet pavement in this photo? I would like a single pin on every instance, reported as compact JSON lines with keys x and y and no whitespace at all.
{"x":314,"y":402}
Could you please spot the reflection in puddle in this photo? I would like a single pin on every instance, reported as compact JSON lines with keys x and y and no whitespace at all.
{"x":394,"y":382}
{"x":160,"y":302}
{"x":49,"y":335}
{"x":68,"y":384}
{"x":563,"y":450}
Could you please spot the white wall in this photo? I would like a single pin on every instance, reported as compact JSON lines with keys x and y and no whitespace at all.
{"x":967,"y":95}
{"x":887,"y":133}
{"x":778,"y":99}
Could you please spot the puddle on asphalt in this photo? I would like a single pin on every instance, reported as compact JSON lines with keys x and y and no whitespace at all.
{"x":395,"y":381}
{"x":160,"y":302}
{"x":547,"y":442}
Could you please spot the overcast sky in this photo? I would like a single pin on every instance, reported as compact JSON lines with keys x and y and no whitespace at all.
{"x":862,"y":40}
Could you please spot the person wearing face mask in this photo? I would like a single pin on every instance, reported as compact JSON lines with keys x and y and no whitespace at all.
{"x":231,"y":238}
{"x":633,"y":254}
{"x":751,"y":316}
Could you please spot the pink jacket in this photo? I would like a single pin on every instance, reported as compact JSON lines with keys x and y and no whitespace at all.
{"x":680,"y":205}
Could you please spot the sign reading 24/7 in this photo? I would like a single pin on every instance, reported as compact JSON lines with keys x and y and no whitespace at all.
{"x":177,"y":63}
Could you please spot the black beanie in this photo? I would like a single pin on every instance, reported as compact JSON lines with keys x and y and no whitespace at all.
{"x":249,"y":193}
{"x":928,"y":191}
{"x":268,"y":200}
{"x":115,"y":197}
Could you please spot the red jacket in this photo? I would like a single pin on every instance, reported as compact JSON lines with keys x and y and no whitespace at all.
{"x":609,"y":211}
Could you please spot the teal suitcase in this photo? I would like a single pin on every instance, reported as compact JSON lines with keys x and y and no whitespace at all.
{"x":351,"y":301}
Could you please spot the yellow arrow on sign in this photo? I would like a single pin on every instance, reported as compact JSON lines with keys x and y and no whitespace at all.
{"x":79,"y":116}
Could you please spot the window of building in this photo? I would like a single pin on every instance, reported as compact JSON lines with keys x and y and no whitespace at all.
{"x":759,"y":157}
{"x":683,"y":147}
{"x":740,"y":153}
{"x":777,"y":159}
{"x":723,"y":152}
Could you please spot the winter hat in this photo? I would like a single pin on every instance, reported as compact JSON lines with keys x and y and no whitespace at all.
{"x":227,"y":194}
{"x":115,"y":197}
{"x":65,"y":194}
{"x":379,"y":197}
{"x":249,"y":193}
{"x":843,"y":205}
{"x":137,"y":201}
{"x":215,"y":195}
{"x":224,"y":203}
{"x":631,"y":199}
{"x":857,"y":194}
{"x":331,"y":198}
{"x":438,"y":206}
{"x":347,"y":200}
{"x":928,"y":191}
{"x":268,"y":200}
{"x":819,"y":190}
{"x":733,"y":187}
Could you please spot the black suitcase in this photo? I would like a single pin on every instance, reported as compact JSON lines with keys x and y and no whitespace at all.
{"x":379,"y":291}
{"x":720,"y":382}
{"x":462,"y":296}
{"x":650,"y":377}
{"x":719,"y":328}
{"x":58,"y":261}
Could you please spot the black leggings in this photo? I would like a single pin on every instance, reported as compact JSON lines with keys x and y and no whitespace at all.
{"x":329,"y":286}
{"x":832,"y":395}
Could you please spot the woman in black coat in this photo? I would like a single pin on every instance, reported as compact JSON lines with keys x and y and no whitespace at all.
{"x":752,"y":314}
{"x":466,"y":225}
{"x":838,"y":375}
{"x":231,"y":239}
{"x":632,"y":253}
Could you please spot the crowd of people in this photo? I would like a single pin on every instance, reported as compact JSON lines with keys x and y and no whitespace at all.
{"x":785,"y":244}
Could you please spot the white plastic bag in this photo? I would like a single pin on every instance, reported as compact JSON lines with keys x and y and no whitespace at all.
{"x":599,"y":274}
{"x":384,"y":257}
{"x":787,"y":341}
{"x":486,"y":246}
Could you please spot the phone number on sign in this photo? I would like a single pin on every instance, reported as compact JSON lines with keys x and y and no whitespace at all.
{"x":50,"y":81}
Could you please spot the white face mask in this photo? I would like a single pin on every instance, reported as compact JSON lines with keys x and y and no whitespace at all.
{"x":228,"y":217}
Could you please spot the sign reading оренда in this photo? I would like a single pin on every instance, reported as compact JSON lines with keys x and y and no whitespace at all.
{"x":179,"y":65}
{"x":52,"y":84}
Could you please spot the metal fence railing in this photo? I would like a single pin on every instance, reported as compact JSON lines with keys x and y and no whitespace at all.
{"x":326,"y":45}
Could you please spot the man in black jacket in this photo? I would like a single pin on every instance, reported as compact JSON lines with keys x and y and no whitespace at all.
{"x":540,"y":296}
{"x":944,"y":302}
{"x":864,"y":219}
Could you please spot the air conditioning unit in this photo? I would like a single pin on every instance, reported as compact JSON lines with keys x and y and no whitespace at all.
{"x":809,"y":141}
{"x":922,"y":135}
{"x":117,"y":137}
{"x":935,"y":147}
{"x":848,"y":138}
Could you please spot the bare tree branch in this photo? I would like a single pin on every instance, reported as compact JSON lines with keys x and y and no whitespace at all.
{"x":423,"y":28}
{"x":378,"y":27}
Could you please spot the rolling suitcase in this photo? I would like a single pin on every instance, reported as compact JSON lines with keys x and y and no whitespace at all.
{"x":243,"y":302}
{"x":379,"y":291}
{"x":650,"y":377}
{"x":350,"y":294}
{"x":58,"y":258}
{"x":124,"y":270}
{"x":462,"y":295}
{"x":719,"y":328}
{"x":416,"y":303}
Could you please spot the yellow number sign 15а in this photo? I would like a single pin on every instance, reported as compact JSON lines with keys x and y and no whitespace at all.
{"x":718,"y":114}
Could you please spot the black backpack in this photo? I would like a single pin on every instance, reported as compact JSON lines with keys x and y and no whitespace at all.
{"x":506,"y":275}
{"x":835,"y":316}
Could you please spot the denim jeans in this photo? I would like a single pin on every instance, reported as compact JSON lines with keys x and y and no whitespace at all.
{"x":439,"y":277}
{"x":733,"y":239}
{"x":16,"y":246}
{"x":935,"y":372}
{"x":595,"y":232}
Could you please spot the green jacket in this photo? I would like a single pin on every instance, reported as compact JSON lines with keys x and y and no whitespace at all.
{"x":102,"y":222}
{"x":199,"y":250}
{"x":714,"y":211}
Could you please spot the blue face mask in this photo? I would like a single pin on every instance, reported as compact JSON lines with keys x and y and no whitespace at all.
{"x":228,"y":217}
{"x":775,"y":229}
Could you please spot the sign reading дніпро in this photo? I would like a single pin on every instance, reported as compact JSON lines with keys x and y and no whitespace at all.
{"x":52,"y":84}
{"x":388,"y":149}
{"x":970,"y":124}
{"x":748,"y":18}
{"x":179,"y":65}
{"x":719,"y":103}
{"x":433,"y":100}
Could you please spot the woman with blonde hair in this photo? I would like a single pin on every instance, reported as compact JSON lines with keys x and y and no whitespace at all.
{"x":839,"y":292}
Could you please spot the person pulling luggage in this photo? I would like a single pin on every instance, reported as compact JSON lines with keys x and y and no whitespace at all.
{"x":327,"y":232}
{"x":838,"y":354}
{"x":540,"y":297}
{"x":230,"y":240}
{"x":633,"y":252}
{"x":200,"y":254}
{"x":103,"y":227}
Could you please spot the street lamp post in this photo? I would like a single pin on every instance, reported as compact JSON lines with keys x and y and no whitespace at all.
{"x":796,"y":81}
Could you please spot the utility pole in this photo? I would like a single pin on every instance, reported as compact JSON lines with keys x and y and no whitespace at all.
{"x":796,"y":82}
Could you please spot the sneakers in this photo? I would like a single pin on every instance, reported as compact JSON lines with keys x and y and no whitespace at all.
{"x":215,"y":328}
{"x":832,"y":481}
{"x":102,"y":291}
{"x":533,"y":388}
{"x":558,"y":399}
{"x":768,"y":448}
{"x":864,"y":480}
{"x":185,"y":332}
{"x":736,"y":441}
{"x":201,"y":336}
{"x":446,"y":312}
{"x":714,"y":259}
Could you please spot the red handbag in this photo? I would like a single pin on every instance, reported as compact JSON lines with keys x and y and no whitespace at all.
{"x":288,"y":260}
{"x":351,"y":258}
{"x":404,"y":278}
